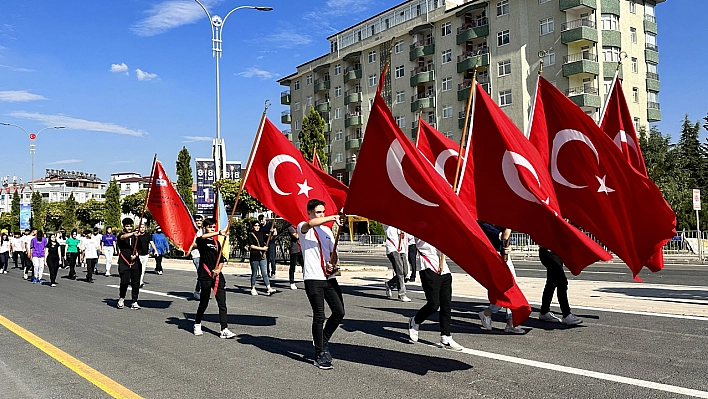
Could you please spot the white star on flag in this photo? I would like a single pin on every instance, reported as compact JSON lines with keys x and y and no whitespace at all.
{"x":304,"y":188}
{"x":603,"y":186}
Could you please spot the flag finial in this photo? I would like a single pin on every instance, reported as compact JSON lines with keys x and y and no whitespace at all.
{"x":542,"y":54}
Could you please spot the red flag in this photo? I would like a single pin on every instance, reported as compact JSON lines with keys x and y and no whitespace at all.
{"x":282,"y":179}
{"x":169,"y":211}
{"x":394,"y":184}
{"x":336,"y":189}
{"x":316,"y":160}
{"x":617,"y":122}
{"x":595,"y":186}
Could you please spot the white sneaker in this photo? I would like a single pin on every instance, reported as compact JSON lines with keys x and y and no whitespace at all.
{"x":270,"y":291}
{"x":159,"y":273}
{"x":389,"y":294}
{"x":572,"y":320}
{"x":198,"y":329}
{"x":514,"y":329}
{"x":549,"y":317}
{"x":254,"y":292}
{"x":404,"y":298}
{"x":486,"y":321}
{"x":226,"y":334}
{"x":293,"y":286}
{"x":413,"y":329}
{"x":107,"y":274}
{"x":121,"y":303}
{"x":135,"y":305}
{"x":447,"y":342}
{"x":196,"y":295}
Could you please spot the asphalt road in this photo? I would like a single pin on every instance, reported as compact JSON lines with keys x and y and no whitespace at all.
{"x":153,"y":352}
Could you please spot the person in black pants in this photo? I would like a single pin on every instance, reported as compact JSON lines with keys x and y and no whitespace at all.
{"x":269,"y":229}
{"x":210,"y":277}
{"x":295,"y":255}
{"x":52,"y":255}
{"x":555,"y":278}
{"x":128,"y":264}
{"x":412,"y":254}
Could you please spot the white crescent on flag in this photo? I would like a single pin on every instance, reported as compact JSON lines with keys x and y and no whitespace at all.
{"x":394,"y":158}
{"x":273,"y":166}
{"x":511,"y":175}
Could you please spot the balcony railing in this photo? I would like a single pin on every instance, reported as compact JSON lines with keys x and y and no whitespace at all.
{"x":472,"y":53}
{"x":483,"y":79}
{"x":583,"y":56}
{"x":352,"y":114}
{"x":322,"y":80}
{"x":423,"y":42}
{"x":651,"y":46}
{"x":586,"y":89}
{"x":286,"y":132}
{"x":652,"y":105}
{"x":284,"y":113}
{"x":578,"y":23}
{"x":352,"y":68}
{"x":472,"y":24}
{"x":652,"y":75}
{"x":352,"y":91}
{"x":421,"y":69}
{"x":649,"y":18}
{"x":321,"y":101}
{"x":421,"y":96}
{"x":285,"y":93}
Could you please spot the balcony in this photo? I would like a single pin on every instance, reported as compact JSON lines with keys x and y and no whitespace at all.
{"x":352,"y":73}
{"x":609,"y":68}
{"x":584,"y":62}
{"x":584,"y":96}
{"x":472,"y":30}
{"x":578,"y":30}
{"x":566,"y":5}
{"x":463,"y":89}
{"x":327,"y":149}
{"x":653,"y":81}
{"x":352,"y":143}
{"x":352,"y":120}
{"x":653,"y":112}
{"x":461,"y":119}
{"x":414,"y":128}
{"x":612,"y":38}
{"x":352,"y":96}
{"x":610,"y":7}
{"x":651,"y":52}
{"x":328,"y":128}
{"x":285,"y":117}
{"x":322,"y":84}
{"x":422,"y":74}
{"x":422,"y":101}
{"x":288,"y":134}
{"x":469,"y":59}
{"x":650,"y":24}
{"x":285,"y":97}
{"x":351,"y":165}
{"x":322,"y":105}
{"x":421,"y":48}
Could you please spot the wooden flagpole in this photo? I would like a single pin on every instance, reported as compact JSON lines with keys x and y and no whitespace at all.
{"x":147,"y":195}
{"x":417,"y":135}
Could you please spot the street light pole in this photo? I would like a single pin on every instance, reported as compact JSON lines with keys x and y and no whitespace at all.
{"x":33,"y":146}
{"x":217,"y":24}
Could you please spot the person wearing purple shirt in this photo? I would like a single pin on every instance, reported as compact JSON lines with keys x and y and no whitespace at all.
{"x":108,"y":247}
{"x":37,"y":246}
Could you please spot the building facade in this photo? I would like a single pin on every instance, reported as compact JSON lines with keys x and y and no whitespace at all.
{"x":434,"y":46}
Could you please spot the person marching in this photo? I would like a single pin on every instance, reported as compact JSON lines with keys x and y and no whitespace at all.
{"x":37,"y":245}
{"x":160,"y":247}
{"x":195,"y":254}
{"x":52,"y":256}
{"x":412,"y":255}
{"x":26,"y":251}
{"x":61,"y":239}
{"x":394,"y":245}
{"x":4,"y":252}
{"x":295,"y":255}
{"x":257,"y":244}
{"x":211,"y":278}
{"x":437,"y":286}
{"x":17,"y":249}
{"x":72,"y":253}
{"x":108,"y":247}
{"x":555,"y":278}
{"x":318,"y":271}
{"x":89,"y":255}
{"x":128,"y":265}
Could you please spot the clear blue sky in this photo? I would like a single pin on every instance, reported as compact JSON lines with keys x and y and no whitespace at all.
{"x":132,"y":78}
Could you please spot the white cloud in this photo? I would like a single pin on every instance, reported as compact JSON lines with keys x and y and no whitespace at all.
{"x":16,"y":96}
{"x":120,"y":68}
{"x":16,"y":69}
{"x":77,"y":124}
{"x":171,"y":14}
{"x":144,"y":76}
{"x":194,"y":139}
{"x":287,"y":38}
{"x":322,"y":18}
{"x":254,"y":72}
{"x":64,"y":162}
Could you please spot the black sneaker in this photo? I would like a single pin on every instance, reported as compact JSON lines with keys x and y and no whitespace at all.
{"x":322,"y":362}
{"x":325,"y":351}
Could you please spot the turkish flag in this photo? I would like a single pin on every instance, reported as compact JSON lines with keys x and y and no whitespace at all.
{"x":595,"y":186}
{"x":169,"y":211}
{"x":394,"y":184}
{"x":282,"y":179}
{"x":617,"y":122}
{"x":316,"y":160}
{"x":336,"y":189}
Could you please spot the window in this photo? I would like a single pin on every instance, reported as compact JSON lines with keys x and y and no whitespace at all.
{"x":338,"y":69}
{"x":448,"y":135}
{"x":607,"y":84}
{"x":546,"y":25}
{"x":297,"y":124}
{"x":651,"y":68}
{"x":296,"y":86}
{"x":633,"y":35}
{"x":610,"y":54}
{"x":543,"y":1}
{"x":400,"y":97}
{"x":653,"y":97}
{"x":399,"y":46}
{"x":308,"y":80}
{"x":446,"y":28}
{"x":446,"y":56}
{"x":632,"y":7}
{"x":635,"y":66}
{"x":503,"y":37}
{"x":338,"y":136}
{"x":504,"y":98}
{"x":338,"y":91}
{"x":401,"y":121}
{"x":447,"y":84}
{"x":372,"y":80}
{"x":309,"y":101}
{"x":505,"y":68}
{"x":636,"y":123}
{"x":635,"y":94}
{"x":549,"y":58}
{"x":447,"y":111}
{"x":337,"y":113}
{"x":340,"y":176}
{"x":650,"y":39}
{"x":296,"y":106}
{"x":372,"y":56}
{"x":609,"y":21}
{"x":502,"y":8}
{"x":338,"y":157}
{"x":400,"y":71}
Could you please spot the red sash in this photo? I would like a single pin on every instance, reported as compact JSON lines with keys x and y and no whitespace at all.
{"x":216,"y":283}
{"x":322,"y":261}
{"x":126,"y":260}
{"x":428,"y":260}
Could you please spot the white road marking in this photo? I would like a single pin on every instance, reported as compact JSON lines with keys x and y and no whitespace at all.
{"x":583,"y":272}
{"x":152,"y":292}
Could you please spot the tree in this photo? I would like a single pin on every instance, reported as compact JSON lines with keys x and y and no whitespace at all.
{"x":246,"y":204}
{"x":37,"y":220}
{"x":53,"y":215}
{"x":91,"y":213}
{"x":15,"y":211}
{"x":113,"y":206}
{"x":133,"y":204}
{"x":693,"y":155}
{"x":311,"y":135}
{"x":7,"y":221}
{"x":69,"y":220}
{"x":185,"y":179}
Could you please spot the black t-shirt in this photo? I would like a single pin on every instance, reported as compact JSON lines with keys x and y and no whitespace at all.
{"x":209,"y":250}
{"x":53,"y":250}
{"x":257,"y":238}
{"x":144,"y":244}
{"x":294,"y":243}
{"x":125,"y":247}
{"x":493,"y":234}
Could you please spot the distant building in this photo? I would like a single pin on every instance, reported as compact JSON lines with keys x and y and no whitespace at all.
{"x":130,"y":183}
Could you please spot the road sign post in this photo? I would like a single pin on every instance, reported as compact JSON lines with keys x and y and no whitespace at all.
{"x":697,"y":208}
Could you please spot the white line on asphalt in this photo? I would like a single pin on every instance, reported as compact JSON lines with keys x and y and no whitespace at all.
{"x":151,"y":292}
{"x":584,"y":272}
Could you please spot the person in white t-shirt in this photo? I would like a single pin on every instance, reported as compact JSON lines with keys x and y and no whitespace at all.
{"x":318,"y":272}
{"x":89,"y":255}
{"x":437,"y":285}
{"x":395,"y":241}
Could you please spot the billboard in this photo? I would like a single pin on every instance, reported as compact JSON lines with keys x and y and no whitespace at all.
{"x":25,"y":215}
{"x":206,"y":173}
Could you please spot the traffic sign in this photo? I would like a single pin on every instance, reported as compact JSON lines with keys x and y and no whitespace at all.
{"x":696,"y":199}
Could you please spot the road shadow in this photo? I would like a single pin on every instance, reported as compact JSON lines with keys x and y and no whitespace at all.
{"x":301,"y":351}
{"x":144,"y":303}
{"x":182,"y":294}
{"x":663,"y":294}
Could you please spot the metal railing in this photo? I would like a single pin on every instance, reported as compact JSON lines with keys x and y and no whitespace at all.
{"x":651,"y":46}
{"x":650,"y":18}
{"x":422,"y":42}
{"x":586,"y":89}
{"x":284,"y":113}
{"x":583,"y":56}
{"x":578,"y":23}
{"x":321,"y":101}
{"x":285,"y":93}
{"x":481,"y":79}
{"x":652,"y":75}
{"x":420,"y":96}
{"x":356,"y":67}
{"x":652,"y":105}
{"x":287,"y":131}
{"x":472,"y":53}
{"x":322,"y":79}
{"x":421,"y":69}
{"x":352,"y":91}
{"x":473,"y":24}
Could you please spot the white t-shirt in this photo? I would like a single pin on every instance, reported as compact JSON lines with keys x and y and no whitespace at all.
{"x":5,"y":246}
{"x":393,"y":240}
{"x":26,"y":239}
{"x":90,"y":248}
{"x":97,"y":239}
{"x":17,"y":244}
{"x":430,"y":257}
{"x":312,"y":264}
{"x":411,"y":239}
{"x":195,"y":251}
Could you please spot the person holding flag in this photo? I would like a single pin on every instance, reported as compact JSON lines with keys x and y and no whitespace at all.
{"x":128,"y":264}
{"x":395,"y":241}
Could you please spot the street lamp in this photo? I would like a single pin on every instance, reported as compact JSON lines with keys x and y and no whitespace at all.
{"x":217,"y":24}
{"x":33,"y":146}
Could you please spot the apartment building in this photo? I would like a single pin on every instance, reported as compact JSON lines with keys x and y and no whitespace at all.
{"x":434,"y":45}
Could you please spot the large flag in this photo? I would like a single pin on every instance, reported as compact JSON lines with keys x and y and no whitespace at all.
{"x":514,"y":188}
{"x":281,"y":178}
{"x":617,"y":122}
{"x":394,"y":184}
{"x":316,"y":160}
{"x":169,"y":211}
{"x":336,"y":189}
{"x":595,"y":186}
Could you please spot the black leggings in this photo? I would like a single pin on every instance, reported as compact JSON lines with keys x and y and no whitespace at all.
{"x":71,"y":258}
{"x":319,"y":291}
{"x":207,"y":288}
{"x":129,"y":276}
{"x":53,"y":263}
{"x":438,"y":294}
{"x":555,"y":278}
{"x":158,"y":263}
{"x":90,"y":265}
{"x":4,"y":260}
{"x":294,"y":260}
